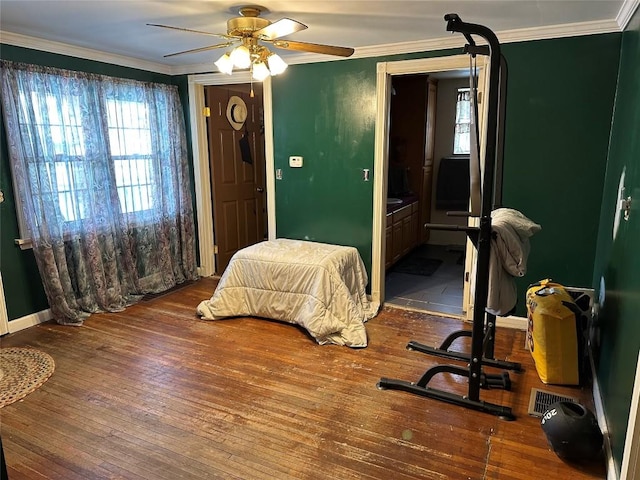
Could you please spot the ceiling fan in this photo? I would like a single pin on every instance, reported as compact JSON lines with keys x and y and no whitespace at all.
{"x":250,"y":31}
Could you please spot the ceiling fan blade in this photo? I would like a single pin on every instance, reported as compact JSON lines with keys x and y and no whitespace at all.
{"x":190,"y":30}
{"x":202,"y":49}
{"x":281,"y":28}
{"x":314,"y":48}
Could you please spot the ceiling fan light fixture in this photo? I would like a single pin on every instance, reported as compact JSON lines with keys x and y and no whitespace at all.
{"x":260,"y":71}
{"x":225,"y":64}
{"x":249,"y":31}
{"x":241,"y":57}
{"x":276,"y":64}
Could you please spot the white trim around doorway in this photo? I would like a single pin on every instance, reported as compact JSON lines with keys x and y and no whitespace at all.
{"x":199,"y":141}
{"x":4,"y":318}
{"x":383,"y":92}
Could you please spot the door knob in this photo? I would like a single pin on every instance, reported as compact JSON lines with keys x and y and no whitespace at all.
{"x":259,"y":189}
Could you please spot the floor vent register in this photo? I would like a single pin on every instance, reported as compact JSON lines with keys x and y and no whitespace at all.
{"x":540,"y":401}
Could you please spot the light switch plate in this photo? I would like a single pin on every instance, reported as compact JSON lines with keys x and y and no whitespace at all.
{"x":295,"y":162}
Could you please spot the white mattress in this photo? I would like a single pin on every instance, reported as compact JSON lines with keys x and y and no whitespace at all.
{"x":318,"y":286}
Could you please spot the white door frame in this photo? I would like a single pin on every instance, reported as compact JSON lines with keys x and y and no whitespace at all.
{"x":385,"y":71}
{"x":4,"y":318}
{"x":200,"y":145}
{"x":631,"y":457}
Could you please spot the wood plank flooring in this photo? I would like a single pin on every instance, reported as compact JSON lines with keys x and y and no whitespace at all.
{"x":156,"y":393}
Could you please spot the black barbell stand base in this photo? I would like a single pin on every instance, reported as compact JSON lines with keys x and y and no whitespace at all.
{"x":444,"y":352}
{"x":500,"y":411}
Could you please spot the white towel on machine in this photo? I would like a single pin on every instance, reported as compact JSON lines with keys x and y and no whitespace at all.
{"x":510,"y":248}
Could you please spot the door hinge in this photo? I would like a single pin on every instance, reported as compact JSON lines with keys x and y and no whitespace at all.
{"x":215,"y":249}
{"x":206,"y":112}
{"x":479,"y":98}
{"x":466,"y":276}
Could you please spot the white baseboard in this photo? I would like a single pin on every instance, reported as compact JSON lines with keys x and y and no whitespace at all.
{"x":29,"y":320}
{"x":612,"y":469}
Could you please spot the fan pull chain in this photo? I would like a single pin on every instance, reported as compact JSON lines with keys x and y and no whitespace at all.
{"x":251,"y":79}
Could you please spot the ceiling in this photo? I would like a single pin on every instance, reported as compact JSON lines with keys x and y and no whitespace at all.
{"x":116,"y":30}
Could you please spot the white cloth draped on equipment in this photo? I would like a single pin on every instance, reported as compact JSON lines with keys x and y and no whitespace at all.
{"x":510,"y":248}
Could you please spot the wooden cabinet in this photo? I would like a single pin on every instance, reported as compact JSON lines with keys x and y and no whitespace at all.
{"x":416,"y":231}
{"x":402,"y":232}
{"x":389,"y":242}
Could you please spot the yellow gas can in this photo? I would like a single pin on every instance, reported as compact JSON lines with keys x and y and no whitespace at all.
{"x":553,"y":333}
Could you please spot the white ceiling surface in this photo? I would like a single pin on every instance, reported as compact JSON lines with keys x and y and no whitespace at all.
{"x":117,"y":28}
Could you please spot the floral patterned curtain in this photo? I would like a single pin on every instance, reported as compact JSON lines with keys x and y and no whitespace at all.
{"x":100,"y":171}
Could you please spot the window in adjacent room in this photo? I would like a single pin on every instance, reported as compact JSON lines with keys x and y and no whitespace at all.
{"x":462,"y":133}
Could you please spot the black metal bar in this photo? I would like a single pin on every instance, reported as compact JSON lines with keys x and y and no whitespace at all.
{"x":481,"y":406}
{"x":453,"y":337}
{"x":458,"y":214}
{"x":477,"y":50}
{"x":482,"y":332}
{"x":429,"y":374}
{"x":472,"y":232}
{"x":490,"y":335}
{"x":3,"y":465}
{"x":463,"y":357}
{"x":455,"y":24}
{"x":446,"y":226}
{"x":499,"y":381}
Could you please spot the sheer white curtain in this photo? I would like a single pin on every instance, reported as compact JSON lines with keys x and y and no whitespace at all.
{"x":100,"y":170}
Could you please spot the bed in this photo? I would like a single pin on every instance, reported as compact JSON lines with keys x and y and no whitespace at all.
{"x":318,"y":286}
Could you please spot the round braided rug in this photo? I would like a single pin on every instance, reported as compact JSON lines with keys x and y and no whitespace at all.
{"x":22,"y":370}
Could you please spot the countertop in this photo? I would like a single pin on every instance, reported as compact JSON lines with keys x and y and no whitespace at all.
{"x":404,"y":201}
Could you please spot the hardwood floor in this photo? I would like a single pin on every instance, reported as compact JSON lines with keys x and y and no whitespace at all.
{"x":156,"y":393}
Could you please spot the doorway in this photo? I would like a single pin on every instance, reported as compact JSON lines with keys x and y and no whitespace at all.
{"x":421,"y":145}
{"x":236,"y":160}
{"x":442,"y":67}
{"x":202,"y":171}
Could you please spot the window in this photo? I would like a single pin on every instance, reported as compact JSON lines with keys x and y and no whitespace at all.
{"x":58,"y":122}
{"x":462,"y":132}
{"x":130,"y":144}
{"x":88,"y":146}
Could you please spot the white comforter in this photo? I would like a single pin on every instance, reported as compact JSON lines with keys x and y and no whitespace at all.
{"x":318,"y":286}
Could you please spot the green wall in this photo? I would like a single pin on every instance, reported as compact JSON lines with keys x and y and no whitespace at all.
{"x":559,"y":107}
{"x":22,"y":287}
{"x":326,"y":113}
{"x":618,"y":261}
{"x":23,"y":290}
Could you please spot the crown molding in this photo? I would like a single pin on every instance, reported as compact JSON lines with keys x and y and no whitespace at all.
{"x":558,"y":31}
{"x":443,"y":43}
{"x":50,"y":46}
{"x":629,"y":7}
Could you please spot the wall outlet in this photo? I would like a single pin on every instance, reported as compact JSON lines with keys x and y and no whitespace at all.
{"x":278,"y":174}
{"x":295,"y":162}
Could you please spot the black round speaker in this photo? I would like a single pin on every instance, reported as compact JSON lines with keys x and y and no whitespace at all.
{"x":572,"y":432}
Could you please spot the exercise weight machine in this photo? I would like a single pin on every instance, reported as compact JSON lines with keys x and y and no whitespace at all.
{"x":482,"y":332}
